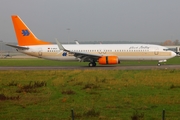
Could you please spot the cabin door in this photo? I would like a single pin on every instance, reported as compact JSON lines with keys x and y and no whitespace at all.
{"x":39,"y":52}
{"x":156,"y":52}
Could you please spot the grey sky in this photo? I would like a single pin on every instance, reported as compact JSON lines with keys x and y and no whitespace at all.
{"x":94,"y":20}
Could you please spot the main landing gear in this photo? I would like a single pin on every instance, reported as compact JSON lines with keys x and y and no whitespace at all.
{"x":92,"y":64}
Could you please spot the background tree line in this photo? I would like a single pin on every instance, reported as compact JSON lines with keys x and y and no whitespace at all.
{"x":170,"y":42}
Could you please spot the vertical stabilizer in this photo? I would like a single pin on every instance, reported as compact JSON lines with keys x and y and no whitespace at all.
{"x":24,"y":35}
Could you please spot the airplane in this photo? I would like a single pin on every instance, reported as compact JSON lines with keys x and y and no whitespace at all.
{"x":7,"y":55}
{"x":104,"y":54}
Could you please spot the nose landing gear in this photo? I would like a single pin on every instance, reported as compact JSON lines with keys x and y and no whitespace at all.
{"x":159,"y":64}
{"x":160,"y":61}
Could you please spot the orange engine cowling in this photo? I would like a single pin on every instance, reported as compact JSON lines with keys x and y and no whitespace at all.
{"x":108,"y":60}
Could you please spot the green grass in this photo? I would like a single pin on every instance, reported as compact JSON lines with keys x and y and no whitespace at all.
{"x":42,"y":62}
{"x":39,"y":62}
{"x":92,"y":94}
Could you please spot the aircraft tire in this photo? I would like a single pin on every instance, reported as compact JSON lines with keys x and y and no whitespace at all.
{"x":159,"y":64}
{"x":92,"y":64}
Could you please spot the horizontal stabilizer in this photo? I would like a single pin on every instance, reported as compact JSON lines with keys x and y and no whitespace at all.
{"x":19,"y":47}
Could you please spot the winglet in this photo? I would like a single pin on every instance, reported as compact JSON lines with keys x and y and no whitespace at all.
{"x":76,"y":42}
{"x":60,"y":46}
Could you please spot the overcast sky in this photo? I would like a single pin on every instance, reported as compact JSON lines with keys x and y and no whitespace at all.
{"x":93,"y":20}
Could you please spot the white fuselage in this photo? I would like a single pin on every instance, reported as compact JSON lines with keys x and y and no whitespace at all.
{"x":122,"y":51}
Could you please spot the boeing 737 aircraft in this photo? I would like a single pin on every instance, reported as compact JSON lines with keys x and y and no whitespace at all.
{"x":104,"y":54}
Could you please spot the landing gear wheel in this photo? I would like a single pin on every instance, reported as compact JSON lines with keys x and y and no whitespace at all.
{"x":92,"y":64}
{"x":159,"y":64}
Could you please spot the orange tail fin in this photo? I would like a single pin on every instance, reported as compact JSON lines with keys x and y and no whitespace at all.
{"x":24,"y":35}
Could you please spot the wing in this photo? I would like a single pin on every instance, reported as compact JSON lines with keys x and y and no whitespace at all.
{"x":19,"y":47}
{"x":85,"y":57}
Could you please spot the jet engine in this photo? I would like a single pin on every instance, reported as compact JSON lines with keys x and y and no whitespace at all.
{"x":105,"y":60}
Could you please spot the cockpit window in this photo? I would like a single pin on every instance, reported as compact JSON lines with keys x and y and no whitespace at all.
{"x":165,"y":49}
{"x":169,"y":49}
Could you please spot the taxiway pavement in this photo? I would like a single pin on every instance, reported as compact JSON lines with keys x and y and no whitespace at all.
{"x":94,"y":68}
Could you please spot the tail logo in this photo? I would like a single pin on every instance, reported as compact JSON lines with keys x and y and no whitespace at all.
{"x":25,"y":32}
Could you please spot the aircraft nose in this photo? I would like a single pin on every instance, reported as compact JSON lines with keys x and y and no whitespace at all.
{"x":173,"y":54}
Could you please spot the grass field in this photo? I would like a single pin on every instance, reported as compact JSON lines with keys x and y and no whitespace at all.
{"x":92,"y":94}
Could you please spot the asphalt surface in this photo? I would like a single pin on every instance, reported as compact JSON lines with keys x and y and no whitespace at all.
{"x":94,"y":68}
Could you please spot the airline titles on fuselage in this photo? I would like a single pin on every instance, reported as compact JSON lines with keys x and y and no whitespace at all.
{"x":141,"y":47}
